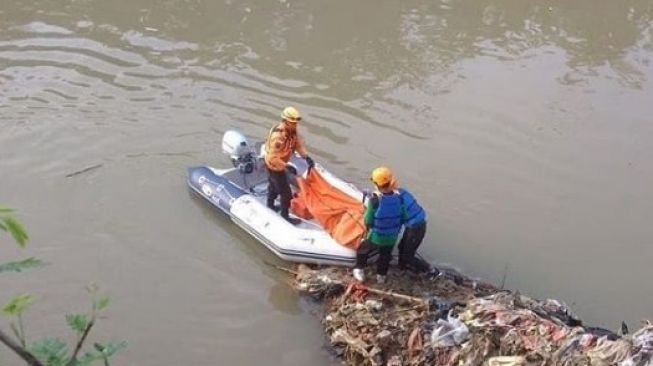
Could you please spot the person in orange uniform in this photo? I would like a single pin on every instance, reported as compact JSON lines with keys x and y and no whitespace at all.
{"x":283,"y":141}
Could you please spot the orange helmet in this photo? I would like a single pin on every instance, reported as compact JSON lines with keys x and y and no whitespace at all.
{"x":291,"y":115}
{"x":382,"y":176}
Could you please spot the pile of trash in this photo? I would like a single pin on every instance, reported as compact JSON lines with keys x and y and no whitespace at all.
{"x":452,"y":320}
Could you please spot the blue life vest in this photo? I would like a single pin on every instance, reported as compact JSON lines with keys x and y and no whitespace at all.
{"x":388,"y":216}
{"x":414,"y":212}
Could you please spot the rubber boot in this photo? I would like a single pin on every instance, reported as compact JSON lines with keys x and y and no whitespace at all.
{"x":271,"y":205}
{"x":285,"y":215}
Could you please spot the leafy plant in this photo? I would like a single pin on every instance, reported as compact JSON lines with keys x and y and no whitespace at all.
{"x":10,"y":224}
{"x":22,"y":265}
{"x":50,"y":351}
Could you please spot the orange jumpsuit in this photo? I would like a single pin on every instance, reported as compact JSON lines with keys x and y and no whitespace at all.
{"x":281,"y":143}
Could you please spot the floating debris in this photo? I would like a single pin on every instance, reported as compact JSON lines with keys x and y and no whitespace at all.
{"x":85,"y":170}
{"x":416,"y":320}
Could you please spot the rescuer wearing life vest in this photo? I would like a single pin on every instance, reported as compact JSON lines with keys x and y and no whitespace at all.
{"x":283,"y":141}
{"x":414,"y":230}
{"x":384,"y":216}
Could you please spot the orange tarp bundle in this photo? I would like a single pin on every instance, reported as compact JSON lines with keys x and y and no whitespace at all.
{"x":339,"y":214}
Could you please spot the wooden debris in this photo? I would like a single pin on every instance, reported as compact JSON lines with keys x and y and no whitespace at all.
{"x":419,"y":321}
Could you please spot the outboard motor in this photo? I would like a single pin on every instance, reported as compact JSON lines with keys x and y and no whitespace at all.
{"x":241,"y":153}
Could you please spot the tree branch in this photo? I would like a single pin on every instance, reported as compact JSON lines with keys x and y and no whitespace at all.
{"x":23,"y":342}
{"x":81,"y":341}
{"x":20,"y":351}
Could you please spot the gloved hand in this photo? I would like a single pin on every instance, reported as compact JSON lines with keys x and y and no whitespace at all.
{"x":310,"y":163}
{"x":291,"y":169}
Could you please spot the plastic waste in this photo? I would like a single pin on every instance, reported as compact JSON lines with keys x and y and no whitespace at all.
{"x":417,"y":321}
{"x":440,"y":306}
{"x":643,"y":347}
{"x":506,"y":361}
{"x":374,"y":304}
{"x":394,"y":361}
{"x":451,"y":275}
{"x":561,"y":311}
{"x":448,"y":333}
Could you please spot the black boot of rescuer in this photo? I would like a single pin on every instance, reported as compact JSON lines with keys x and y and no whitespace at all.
{"x":285,"y":215}
{"x":274,"y":208}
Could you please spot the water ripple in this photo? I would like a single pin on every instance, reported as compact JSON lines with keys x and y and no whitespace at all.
{"x":78,"y":50}
{"x":40,"y":28}
{"x":20,"y":61}
{"x":156,"y":44}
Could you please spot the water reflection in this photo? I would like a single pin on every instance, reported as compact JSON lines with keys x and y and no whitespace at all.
{"x":353,"y":67}
{"x":299,"y":39}
{"x":292,"y":51}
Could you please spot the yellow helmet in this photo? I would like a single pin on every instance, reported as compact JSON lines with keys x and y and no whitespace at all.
{"x":291,"y":114}
{"x":382,"y":176}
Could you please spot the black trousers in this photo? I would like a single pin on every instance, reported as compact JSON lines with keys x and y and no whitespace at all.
{"x":408,"y":245}
{"x":278,"y":186}
{"x":385,"y":255}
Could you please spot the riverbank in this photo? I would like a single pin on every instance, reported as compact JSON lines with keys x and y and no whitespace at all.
{"x":453,"y":320}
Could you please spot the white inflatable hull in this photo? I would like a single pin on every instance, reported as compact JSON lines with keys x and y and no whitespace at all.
{"x":243,"y":198}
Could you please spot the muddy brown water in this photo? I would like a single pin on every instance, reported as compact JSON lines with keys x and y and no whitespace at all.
{"x":525,"y":128}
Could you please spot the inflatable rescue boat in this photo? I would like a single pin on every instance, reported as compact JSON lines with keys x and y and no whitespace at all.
{"x":330,"y":226}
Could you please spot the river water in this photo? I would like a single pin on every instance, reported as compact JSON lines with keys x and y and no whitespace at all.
{"x":524,"y":127}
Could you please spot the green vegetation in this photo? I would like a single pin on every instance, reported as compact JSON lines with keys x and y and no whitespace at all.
{"x":50,"y":351}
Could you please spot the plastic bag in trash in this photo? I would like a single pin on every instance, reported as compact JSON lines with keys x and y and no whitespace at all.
{"x":561,"y":311}
{"x":506,"y":361}
{"x":450,"y":332}
{"x":642,"y":347}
